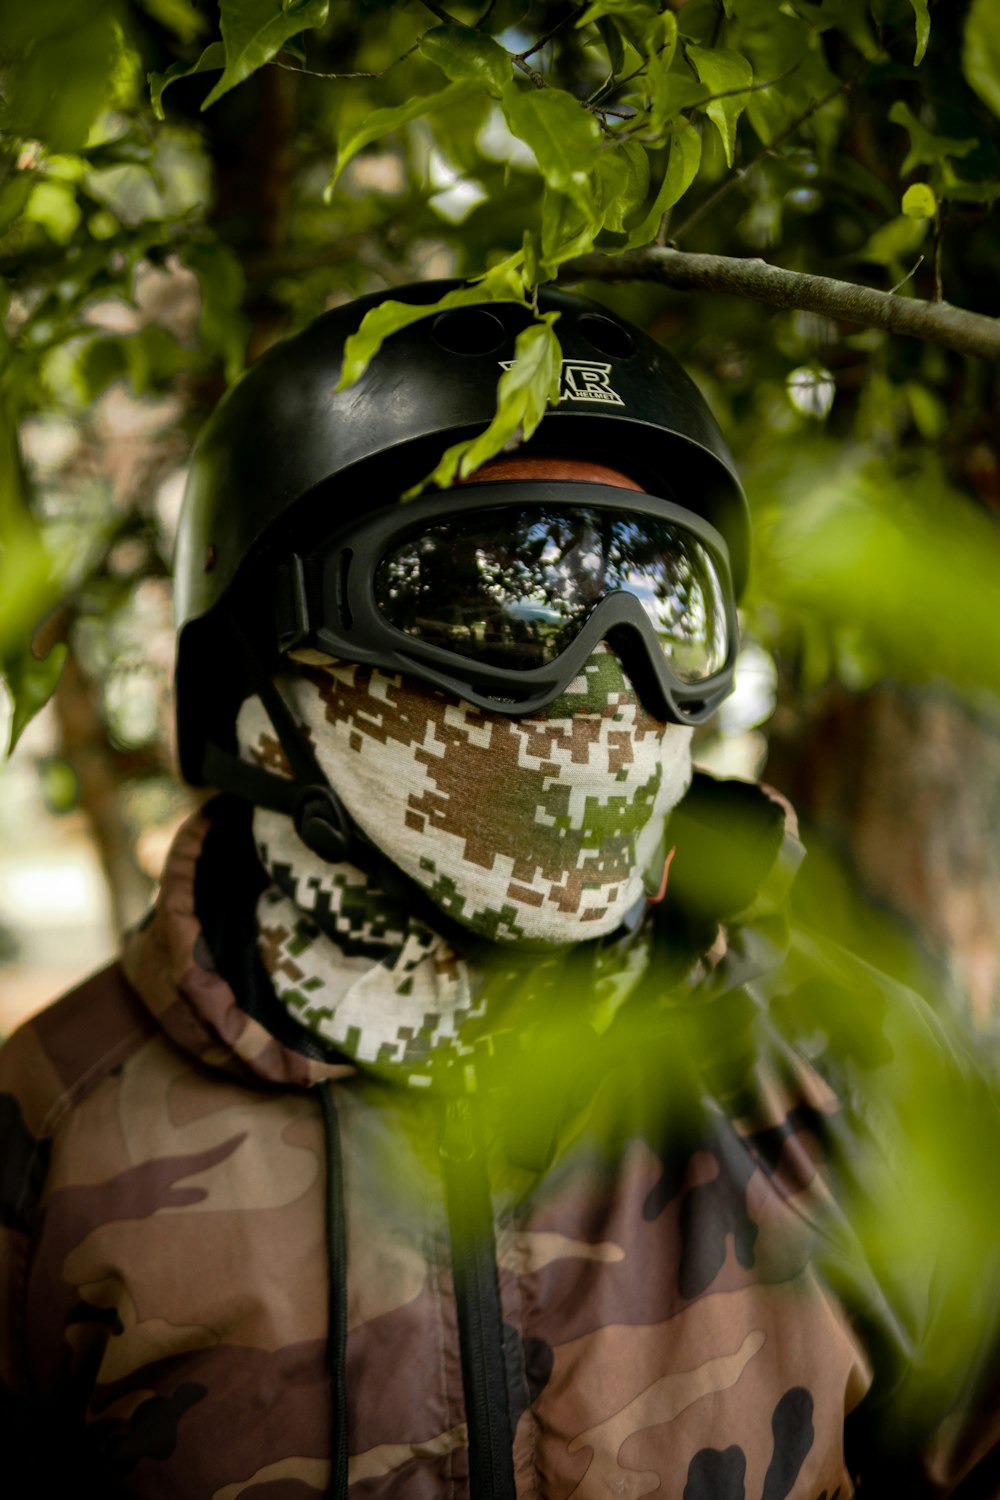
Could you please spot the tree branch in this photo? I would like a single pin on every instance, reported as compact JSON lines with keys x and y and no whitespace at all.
{"x":937,"y":322}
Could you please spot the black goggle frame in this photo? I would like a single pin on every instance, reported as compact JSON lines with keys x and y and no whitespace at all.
{"x":325,"y":600}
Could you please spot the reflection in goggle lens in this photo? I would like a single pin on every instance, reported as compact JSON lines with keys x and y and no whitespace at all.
{"x":513,"y":588}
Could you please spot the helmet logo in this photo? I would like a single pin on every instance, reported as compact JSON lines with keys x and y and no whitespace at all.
{"x":583,"y":380}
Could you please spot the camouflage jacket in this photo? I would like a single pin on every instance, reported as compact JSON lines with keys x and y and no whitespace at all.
{"x":232,"y":1266}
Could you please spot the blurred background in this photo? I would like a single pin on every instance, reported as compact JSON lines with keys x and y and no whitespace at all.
{"x":147,"y":259}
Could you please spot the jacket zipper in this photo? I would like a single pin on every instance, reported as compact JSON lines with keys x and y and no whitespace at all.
{"x":477,"y":1295}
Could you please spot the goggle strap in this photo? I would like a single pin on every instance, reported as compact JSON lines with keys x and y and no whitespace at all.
{"x":263,"y":788}
{"x":303,"y":763}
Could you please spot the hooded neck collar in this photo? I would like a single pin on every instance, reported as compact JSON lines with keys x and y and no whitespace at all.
{"x":195,"y":960}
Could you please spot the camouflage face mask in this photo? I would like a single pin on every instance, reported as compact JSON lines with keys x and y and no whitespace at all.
{"x":542,"y":830}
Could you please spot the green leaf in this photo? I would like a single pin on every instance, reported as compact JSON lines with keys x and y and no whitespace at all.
{"x":179,"y":16}
{"x":30,"y":582}
{"x":662,"y":41}
{"x":13,"y":196}
{"x":659,"y":40}
{"x":58,"y":89}
{"x":175,"y":182}
{"x":682,"y":167}
{"x":956,"y":191}
{"x":295,"y":47}
{"x":894,"y":241}
{"x":54,"y":206}
{"x":723,"y":72}
{"x":60,"y":784}
{"x":923,"y":21}
{"x":769,"y":113}
{"x":531,"y":258}
{"x":98,"y":364}
{"x":385,"y":120}
{"x":464,"y":55}
{"x":524,"y":391}
{"x":563,"y":135}
{"x":24,"y":26}
{"x":222,"y":324}
{"x":919,"y":202}
{"x":929,"y":413}
{"x":678,"y":92}
{"x":502,"y":283}
{"x":638,"y":12}
{"x":623,"y":175}
{"x":211,"y":61}
{"x":852,"y":18}
{"x":254,"y":31}
{"x":613,"y":44}
{"x":565,"y":232}
{"x":152,"y":358}
{"x":981,"y":52}
{"x":926,"y":149}
{"x":31,"y":684}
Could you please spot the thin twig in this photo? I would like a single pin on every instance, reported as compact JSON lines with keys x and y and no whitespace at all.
{"x":634,"y":74}
{"x":442,"y":15}
{"x":602,"y":88}
{"x":529,"y":71}
{"x":940,"y":217}
{"x":749,"y":88}
{"x":709,"y":203}
{"x":542,"y":40}
{"x":312,"y":73}
{"x":906,"y":278}
{"x":937,"y":322}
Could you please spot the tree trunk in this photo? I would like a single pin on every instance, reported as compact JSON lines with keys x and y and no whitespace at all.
{"x":84,"y":744}
{"x":905,"y":784}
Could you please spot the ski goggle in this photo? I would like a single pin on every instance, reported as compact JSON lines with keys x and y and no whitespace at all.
{"x":500,"y":592}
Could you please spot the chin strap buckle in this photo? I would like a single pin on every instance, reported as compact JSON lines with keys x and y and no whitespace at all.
{"x":322,"y":824}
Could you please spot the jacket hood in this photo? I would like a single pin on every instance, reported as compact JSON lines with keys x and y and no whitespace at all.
{"x":168,"y":961}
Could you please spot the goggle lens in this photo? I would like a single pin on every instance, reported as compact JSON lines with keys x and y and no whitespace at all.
{"x":513,"y":588}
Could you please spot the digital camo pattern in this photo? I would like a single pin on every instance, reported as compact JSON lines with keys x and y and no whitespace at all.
{"x":541,"y":829}
{"x":382,"y":987}
{"x":386,"y":991}
{"x":163,"y":1256}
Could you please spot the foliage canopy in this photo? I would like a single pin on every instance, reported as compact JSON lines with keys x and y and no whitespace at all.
{"x":284,"y":154}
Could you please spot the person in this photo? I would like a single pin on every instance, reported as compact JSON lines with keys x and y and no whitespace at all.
{"x":466,"y":1118}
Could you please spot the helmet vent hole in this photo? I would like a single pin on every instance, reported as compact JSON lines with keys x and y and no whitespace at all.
{"x":605,"y":336}
{"x":468,"y":330}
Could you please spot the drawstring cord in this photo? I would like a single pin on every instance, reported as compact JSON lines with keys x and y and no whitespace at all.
{"x":336,"y":1271}
{"x":655,"y":900}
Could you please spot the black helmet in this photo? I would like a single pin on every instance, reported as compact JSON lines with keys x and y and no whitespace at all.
{"x":287,"y":460}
